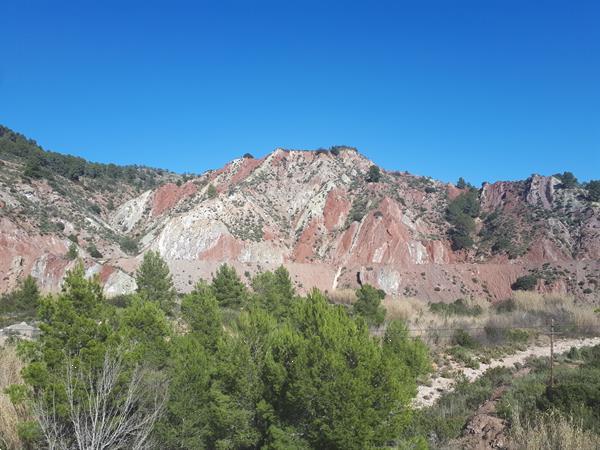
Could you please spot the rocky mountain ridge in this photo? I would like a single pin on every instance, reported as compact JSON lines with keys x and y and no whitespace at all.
{"x":316,"y":212}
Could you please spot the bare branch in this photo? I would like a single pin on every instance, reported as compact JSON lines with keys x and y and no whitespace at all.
{"x":105,"y":412}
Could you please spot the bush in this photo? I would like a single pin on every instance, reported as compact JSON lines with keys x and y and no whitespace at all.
{"x":567,"y":179}
{"x":93,"y":251}
{"x":211,"y":191}
{"x":129,"y":245}
{"x":464,"y":339}
{"x":593,"y":188}
{"x":72,"y":252}
{"x":458,"y":307}
{"x":506,"y":306}
{"x":358,"y":210}
{"x":374,"y":174}
{"x":248,"y":156}
{"x":524,"y":283}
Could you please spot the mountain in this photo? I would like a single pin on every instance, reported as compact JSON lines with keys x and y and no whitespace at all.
{"x":327,"y":215}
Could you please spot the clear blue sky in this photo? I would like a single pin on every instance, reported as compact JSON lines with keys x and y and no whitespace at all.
{"x":483,"y":89}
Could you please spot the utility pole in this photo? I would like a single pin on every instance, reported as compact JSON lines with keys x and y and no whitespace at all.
{"x":551,"y":357}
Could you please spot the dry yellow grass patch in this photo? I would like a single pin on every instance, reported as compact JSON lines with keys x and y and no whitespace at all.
{"x":10,"y":415}
{"x":551,"y":431}
{"x":342,"y":296}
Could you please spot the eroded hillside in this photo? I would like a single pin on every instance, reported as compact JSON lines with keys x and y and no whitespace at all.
{"x":319,"y":213}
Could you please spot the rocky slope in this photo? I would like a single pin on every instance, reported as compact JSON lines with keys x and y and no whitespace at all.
{"x":313,"y":211}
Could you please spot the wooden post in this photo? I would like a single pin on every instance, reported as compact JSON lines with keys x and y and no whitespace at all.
{"x":551,"y":357}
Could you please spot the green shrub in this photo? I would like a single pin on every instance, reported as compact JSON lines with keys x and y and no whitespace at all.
{"x":506,"y":306}
{"x":72,"y":252}
{"x":593,"y":188}
{"x":374,"y":174}
{"x":129,"y":245}
{"x":459,"y":307}
{"x":358,"y":209}
{"x":93,"y":251}
{"x":567,"y":179}
{"x":211,"y":191}
{"x":464,"y":339}
{"x":524,"y":283}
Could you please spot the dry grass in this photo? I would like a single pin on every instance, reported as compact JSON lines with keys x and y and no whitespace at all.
{"x":551,"y":431}
{"x":10,"y":415}
{"x":342,"y":296}
{"x":530,"y":310}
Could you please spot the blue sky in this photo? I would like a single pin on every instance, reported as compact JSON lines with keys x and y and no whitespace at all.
{"x":488,"y":90}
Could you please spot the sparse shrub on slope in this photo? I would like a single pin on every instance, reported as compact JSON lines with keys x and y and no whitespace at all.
{"x":374,"y":174}
{"x":459,"y":307}
{"x":593,"y":188}
{"x":129,"y":245}
{"x":567,"y":179}
{"x":524,"y":283}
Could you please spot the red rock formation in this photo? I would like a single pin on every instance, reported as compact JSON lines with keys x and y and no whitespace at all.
{"x":168,"y":195}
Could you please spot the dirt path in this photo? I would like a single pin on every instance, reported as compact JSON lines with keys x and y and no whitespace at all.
{"x":428,"y":395}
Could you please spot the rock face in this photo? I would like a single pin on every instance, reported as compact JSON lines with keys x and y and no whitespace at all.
{"x":315,"y":213}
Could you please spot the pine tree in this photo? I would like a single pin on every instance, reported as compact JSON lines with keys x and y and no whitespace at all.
{"x":200,"y":310}
{"x":154,"y":281}
{"x":368,"y":305}
{"x":228,"y":289}
{"x":274,"y":291}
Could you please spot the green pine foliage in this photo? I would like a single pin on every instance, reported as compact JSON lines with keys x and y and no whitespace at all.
{"x":289,"y":372}
{"x":228,"y":289}
{"x":374,"y":174}
{"x":461,"y":213}
{"x":39,"y":163}
{"x":368,"y":305}
{"x":155,"y":283}
{"x":79,"y":330}
{"x":567,"y":179}
{"x":593,"y":188}
{"x":21,"y":303}
{"x":274,"y":292}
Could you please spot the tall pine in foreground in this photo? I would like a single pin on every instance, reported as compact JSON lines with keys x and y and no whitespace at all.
{"x":155,"y":283}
